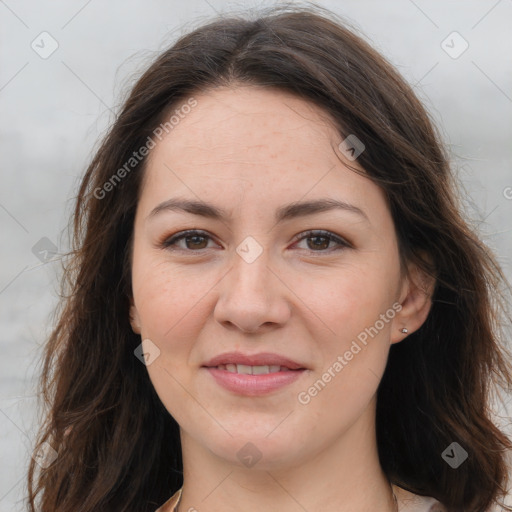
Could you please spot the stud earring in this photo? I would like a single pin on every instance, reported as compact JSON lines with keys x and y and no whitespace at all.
{"x":404,"y":330}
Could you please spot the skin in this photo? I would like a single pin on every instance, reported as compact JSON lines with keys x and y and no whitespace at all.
{"x":251,"y":150}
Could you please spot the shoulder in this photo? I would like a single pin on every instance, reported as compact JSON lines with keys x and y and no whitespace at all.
{"x":409,"y":502}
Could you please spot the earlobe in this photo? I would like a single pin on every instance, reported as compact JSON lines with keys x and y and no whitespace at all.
{"x":134,"y":318}
{"x":417,"y":293}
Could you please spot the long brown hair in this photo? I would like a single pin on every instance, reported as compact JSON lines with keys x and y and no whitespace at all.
{"x":117,"y":447}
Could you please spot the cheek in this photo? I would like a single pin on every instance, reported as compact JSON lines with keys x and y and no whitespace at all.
{"x":348,"y":306}
{"x":353,"y":346}
{"x":171,"y":315}
{"x":348,"y":300}
{"x":165,"y":295}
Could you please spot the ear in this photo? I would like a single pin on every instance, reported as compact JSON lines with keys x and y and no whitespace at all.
{"x":416,"y":300}
{"x":134,"y":317}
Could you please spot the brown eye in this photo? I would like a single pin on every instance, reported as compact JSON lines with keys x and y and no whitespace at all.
{"x":193,"y":240}
{"x":320,"y":241}
{"x":196,"y":241}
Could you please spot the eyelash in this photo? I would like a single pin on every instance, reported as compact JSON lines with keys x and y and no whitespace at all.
{"x":170,"y":242}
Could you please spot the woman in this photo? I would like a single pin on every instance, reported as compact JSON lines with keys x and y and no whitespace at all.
{"x":274,"y":301}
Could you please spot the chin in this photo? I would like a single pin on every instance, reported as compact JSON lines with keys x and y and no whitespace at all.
{"x":257,"y":450}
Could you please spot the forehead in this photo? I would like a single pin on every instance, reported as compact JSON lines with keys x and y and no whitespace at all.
{"x":252,"y":119}
{"x":269,"y":142}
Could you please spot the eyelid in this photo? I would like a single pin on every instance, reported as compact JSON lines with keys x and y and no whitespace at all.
{"x":169,"y":241}
{"x":179,"y":235}
{"x":342,"y":242}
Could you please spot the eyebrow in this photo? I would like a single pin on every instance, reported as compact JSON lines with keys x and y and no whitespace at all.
{"x":287,"y":212}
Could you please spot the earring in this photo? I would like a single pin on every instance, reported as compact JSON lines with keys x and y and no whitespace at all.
{"x":404,"y":330}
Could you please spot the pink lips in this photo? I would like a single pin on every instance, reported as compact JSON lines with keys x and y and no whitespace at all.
{"x":264,"y":358}
{"x":253,"y":385}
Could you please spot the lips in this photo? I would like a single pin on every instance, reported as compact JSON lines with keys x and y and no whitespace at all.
{"x":236,"y":362}
{"x":253,"y":375}
{"x":253,"y":370}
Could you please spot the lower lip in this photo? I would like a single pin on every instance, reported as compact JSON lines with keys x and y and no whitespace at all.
{"x":253,"y":385}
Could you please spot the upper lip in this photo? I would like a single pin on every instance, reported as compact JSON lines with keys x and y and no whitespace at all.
{"x":261,"y":359}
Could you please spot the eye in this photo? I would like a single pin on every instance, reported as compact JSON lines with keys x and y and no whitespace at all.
{"x":321,"y":240}
{"x":193,"y":238}
{"x":196,"y":240}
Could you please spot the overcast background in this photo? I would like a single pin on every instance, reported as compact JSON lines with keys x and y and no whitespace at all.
{"x":55,"y":106}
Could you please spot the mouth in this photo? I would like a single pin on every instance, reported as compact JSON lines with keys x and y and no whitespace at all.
{"x":254,"y":370}
{"x":253,"y":375}
{"x":264,"y":362}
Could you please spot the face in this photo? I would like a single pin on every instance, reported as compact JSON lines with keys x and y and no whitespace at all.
{"x":311,"y":296}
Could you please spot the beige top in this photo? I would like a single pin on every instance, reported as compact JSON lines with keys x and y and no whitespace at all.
{"x":169,"y":505}
{"x":407,"y":502}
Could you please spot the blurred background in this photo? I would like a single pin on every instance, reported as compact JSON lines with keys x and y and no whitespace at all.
{"x":64,"y":69}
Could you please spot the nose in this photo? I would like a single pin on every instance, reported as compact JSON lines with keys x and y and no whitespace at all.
{"x":252,"y":296}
